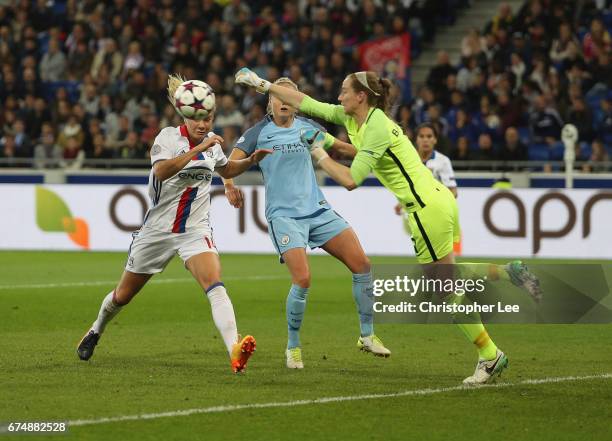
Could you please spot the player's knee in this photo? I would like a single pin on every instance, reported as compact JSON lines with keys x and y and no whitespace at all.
{"x":302,"y":280}
{"x":360,"y":265}
{"x":364,"y":264}
{"x":122,"y":296}
{"x":210,"y":279}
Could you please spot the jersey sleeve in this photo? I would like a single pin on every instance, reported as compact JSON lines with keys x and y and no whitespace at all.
{"x":447,"y":174}
{"x":219,"y":156}
{"x":162,"y":148}
{"x":248,"y":140}
{"x":376,"y":141}
{"x":329,"y":112}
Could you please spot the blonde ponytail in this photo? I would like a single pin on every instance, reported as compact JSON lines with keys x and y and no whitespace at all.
{"x":174,"y":81}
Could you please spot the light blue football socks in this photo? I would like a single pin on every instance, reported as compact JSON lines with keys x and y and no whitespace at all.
{"x":364,"y":298}
{"x":296,"y":304}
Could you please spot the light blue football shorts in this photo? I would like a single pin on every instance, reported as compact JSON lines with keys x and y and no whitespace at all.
{"x":314,"y":230}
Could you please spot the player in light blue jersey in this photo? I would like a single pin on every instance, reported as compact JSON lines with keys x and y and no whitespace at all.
{"x":298,"y":216}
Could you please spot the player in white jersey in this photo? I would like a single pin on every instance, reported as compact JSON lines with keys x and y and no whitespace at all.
{"x":439,"y":164}
{"x":183,"y":160}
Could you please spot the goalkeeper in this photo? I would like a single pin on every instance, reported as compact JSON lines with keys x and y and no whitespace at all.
{"x":383,"y":149}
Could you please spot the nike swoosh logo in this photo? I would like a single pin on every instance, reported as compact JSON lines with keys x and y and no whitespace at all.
{"x":270,"y":136}
{"x":492,"y":368}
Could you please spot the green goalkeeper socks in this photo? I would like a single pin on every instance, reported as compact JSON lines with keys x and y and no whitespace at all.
{"x":477,"y":334}
{"x":472,"y":327}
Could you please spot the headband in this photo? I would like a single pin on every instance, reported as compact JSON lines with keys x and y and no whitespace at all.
{"x":363,"y":79}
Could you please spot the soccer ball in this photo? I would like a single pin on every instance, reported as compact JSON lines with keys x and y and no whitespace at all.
{"x":194,"y":99}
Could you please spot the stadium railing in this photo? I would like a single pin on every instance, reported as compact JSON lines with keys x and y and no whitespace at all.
{"x":521,"y":174}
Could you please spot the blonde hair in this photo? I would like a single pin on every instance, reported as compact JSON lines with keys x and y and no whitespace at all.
{"x":174,"y":81}
{"x":281,"y":80}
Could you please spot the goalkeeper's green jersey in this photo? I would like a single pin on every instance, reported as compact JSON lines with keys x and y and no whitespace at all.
{"x":382,"y":148}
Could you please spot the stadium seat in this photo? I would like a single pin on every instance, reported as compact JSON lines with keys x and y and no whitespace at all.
{"x":585,"y":150}
{"x":538,"y":152}
{"x":524,"y":135}
{"x":556,"y":151}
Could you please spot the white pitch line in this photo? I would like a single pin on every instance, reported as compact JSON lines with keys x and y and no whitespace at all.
{"x":114,"y":282}
{"x":408,"y":393}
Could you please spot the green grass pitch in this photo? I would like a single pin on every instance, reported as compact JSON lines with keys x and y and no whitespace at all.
{"x":163,"y":354}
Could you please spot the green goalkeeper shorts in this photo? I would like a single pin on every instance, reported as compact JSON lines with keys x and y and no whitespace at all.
{"x":435,"y":227}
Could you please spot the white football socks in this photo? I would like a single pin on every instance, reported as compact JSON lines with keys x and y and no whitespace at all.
{"x":108,"y":310}
{"x":223,"y":314}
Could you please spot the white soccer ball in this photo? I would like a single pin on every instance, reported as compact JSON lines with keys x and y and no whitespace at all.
{"x":194,"y":99}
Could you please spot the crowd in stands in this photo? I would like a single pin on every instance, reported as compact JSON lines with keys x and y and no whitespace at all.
{"x":87,"y":79}
{"x":520,"y":80}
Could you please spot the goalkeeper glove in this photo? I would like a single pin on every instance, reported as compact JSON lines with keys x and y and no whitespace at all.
{"x":249,"y":78}
{"x":313,"y":138}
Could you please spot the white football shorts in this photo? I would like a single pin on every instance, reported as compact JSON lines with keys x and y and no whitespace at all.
{"x":151,"y":250}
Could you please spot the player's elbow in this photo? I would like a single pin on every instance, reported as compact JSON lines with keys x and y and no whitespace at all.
{"x":160,"y":172}
{"x":350,"y":186}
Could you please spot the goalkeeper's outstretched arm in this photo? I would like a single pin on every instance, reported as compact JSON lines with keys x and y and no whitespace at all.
{"x":296,"y":99}
{"x":287,"y":95}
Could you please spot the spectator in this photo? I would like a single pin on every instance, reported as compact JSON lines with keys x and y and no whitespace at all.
{"x":434,"y":116}
{"x":30,"y":116}
{"x":53,"y":63}
{"x":406,"y":120}
{"x":133,"y":59}
{"x":117,"y":139}
{"x":90,"y":99}
{"x":601,"y":72}
{"x":236,"y":12}
{"x":596,"y":41}
{"x":462,"y":151}
{"x":502,"y":20}
{"x":23,"y":143}
{"x":8,"y":154}
{"x":72,"y":153}
{"x":94,"y":128}
{"x":599,"y":158}
{"x":471,"y":45}
{"x":31,"y":84}
{"x":151,"y":130}
{"x":485,"y":150}
{"x":438,"y":74}
{"x":603,"y":121}
{"x":79,"y":61}
{"x":510,"y":111}
{"x":512,"y":148}
{"x":461,"y":128}
{"x":47,"y":153}
{"x":580,"y":116}
{"x":228,"y":114}
{"x":72,"y":129}
{"x":169,"y":117}
{"x":565,"y":48}
{"x":467,"y":74}
{"x":130,"y":148}
{"x":100,"y":151}
{"x":108,"y":55}
{"x":544,"y":122}
{"x":229,"y":135}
